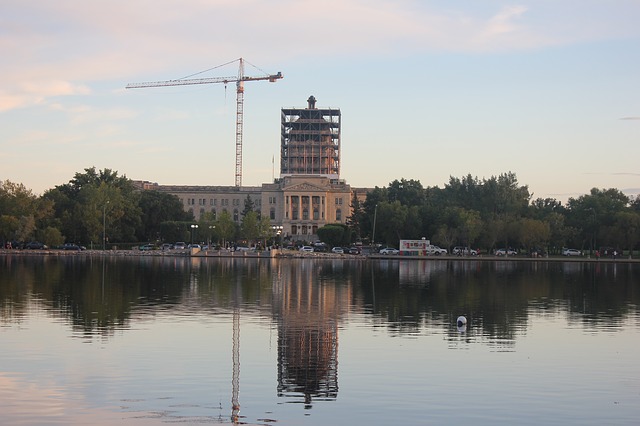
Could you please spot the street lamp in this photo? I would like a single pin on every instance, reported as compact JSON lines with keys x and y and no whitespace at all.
{"x":211,"y":231}
{"x":278,"y":231}
{"x":373,"y":236}
{"x":593,"y":230}
{"x":192,"y":228}
{"x":104,"y":226}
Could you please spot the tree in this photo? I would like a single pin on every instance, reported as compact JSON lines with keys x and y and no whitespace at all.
{"x":392,"y":218}
{"x":16,"y":200}
{"x":470,"y":225}
{"x":626,"y":229}
{"x":51,"y":237}
{"x":81,"y":204}
{"x":9,"y":226}
{"x":558,"y":232}
{"x":225,"y":227}
{"x":26,"y":228}
{"x":533,"y":233}
{"x":20,"y":208}
{"x":157,"y":207}
{"x":407,"y":192}
{"x":334,"y":234}
{"x":446,"y":236}
{"x":175,"y":230}
{"x":264,"y":229}
{"x":249,"y":226}
{"x":249,"y":206}
{"x":357,"y":217}
{"x":595,"y":212}
{"x":374,"y":198}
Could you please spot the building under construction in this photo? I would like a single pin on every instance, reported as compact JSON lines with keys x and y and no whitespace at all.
{"x":310,"y":141}
{"x":308,"y":195}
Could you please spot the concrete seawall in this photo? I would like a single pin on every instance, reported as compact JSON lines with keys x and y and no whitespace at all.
{"x":292,"y":254}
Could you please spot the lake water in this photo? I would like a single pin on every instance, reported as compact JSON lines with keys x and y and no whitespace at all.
{"x":160,"y":340}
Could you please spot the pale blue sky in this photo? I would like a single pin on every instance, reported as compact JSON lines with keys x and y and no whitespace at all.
{"x":547,"y":89}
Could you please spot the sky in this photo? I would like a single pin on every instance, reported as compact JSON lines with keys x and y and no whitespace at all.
{"x":546,"y":89}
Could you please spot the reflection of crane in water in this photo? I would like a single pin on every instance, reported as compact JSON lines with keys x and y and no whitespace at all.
{"x":235,"y":380}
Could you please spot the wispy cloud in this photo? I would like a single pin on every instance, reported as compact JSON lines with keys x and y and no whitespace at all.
{"x":631,"y":118}
{"x":502,"y":23}
{"x":67,"y":47}
{"x":633,"y":174}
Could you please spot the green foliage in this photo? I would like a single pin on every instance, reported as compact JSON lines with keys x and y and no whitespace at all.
{"x":494,"y":212}
{"x":92,"y":201}
{"x":225,"y":227}
{"x":174,"y":231}
{"x":52,"y":237}
{"x":249,"y":226}
{"x":485,"y":213}
{"x":357,"y":217}
{"x":625,"y":230}
{"x":9,"y":226}
{"x":16,"y":200}
{"x":157,"y":207}
{"x":335,"y":234}
{"x":264,"y":229}
{"x":249,"y":206}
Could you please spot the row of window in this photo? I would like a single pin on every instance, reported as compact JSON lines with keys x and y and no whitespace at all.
{"x":295,"y":199}
{"x":272,"y":214}
{"x":315,"y":200}
{"x":305,"y":214}
{"x":223,"y":201}
{"x":304,"y":229}
{"x":214,"y":214}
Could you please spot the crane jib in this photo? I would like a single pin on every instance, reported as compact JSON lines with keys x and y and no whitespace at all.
{"x":239,"y":80}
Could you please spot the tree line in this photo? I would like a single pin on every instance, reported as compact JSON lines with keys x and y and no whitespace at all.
{"x":496,"y":212}
{"x":99,"y":207}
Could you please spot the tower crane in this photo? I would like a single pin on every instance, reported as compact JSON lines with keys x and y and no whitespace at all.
{"x":239,"y":80}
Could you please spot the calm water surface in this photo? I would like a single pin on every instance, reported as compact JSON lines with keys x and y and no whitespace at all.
{"x":317,"y":342}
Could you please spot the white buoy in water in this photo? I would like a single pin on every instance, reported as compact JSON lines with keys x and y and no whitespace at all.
{"x":461,"y":321}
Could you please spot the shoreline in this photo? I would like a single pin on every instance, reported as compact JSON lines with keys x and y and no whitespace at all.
{"x":288,"y":254}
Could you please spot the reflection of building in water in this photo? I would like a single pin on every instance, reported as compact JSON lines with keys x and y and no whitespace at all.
{"x":308,"y":312}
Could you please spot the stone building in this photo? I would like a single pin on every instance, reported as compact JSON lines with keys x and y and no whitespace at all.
{"x":309,"y":193}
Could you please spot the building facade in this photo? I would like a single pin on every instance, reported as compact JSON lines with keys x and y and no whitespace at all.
{"x":310,"y":141}
{"x":309,"y":193}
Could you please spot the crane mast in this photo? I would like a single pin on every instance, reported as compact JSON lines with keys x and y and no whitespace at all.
{"x":239,"y":80}
{"x":239,"y":122}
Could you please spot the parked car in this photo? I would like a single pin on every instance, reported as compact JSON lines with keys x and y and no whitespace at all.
{"x":194,"y":246}
{"x":505,"y":252}
{"x":389,"y":250}
{"x":355,"y":250}
{"x":146,"y":247}
{"x":464,"y":251}
{"x":180,"y":245}
{"x":338,"y":250}
{"x":307,"y":249}
{"x":167,"y":246}
{"x":320,"y":247}
{"x":571,"y":252}
{"x":438,"y":251}
{"x":35,"y":245}
{"x":71,"y":246}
